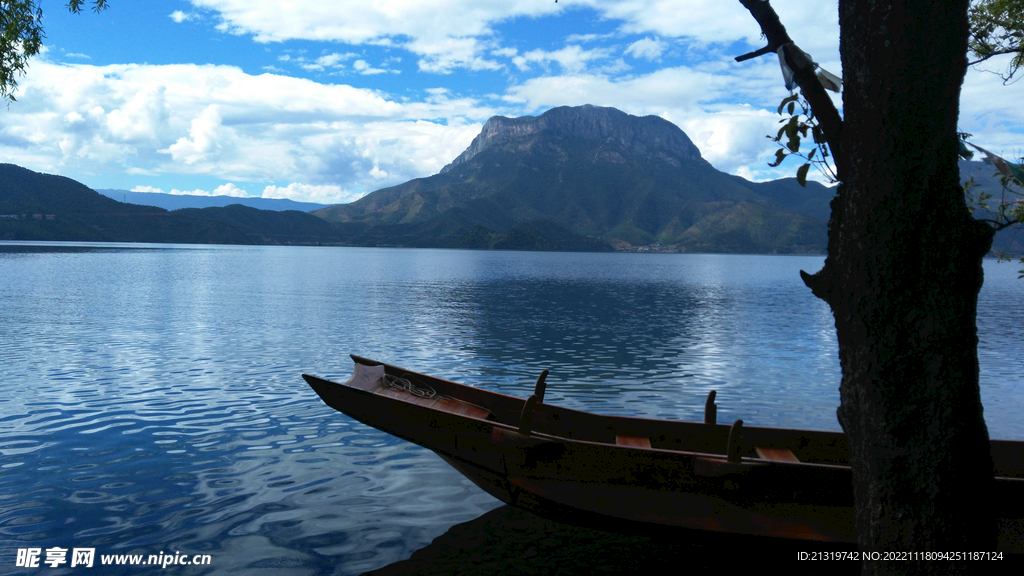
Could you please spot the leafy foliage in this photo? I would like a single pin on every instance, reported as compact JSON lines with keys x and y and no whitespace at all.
{"x":796,"y":128}
{"x":75,"y":6}
{"x":997,"y":28}
{"x":1009,"y":210}
{"x":21,"y":37}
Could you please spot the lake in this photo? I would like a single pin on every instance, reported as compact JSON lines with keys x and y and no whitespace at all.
{"x":153,"y":401}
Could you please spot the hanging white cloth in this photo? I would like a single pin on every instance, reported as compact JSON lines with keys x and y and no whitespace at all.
{"x":828,"y":80}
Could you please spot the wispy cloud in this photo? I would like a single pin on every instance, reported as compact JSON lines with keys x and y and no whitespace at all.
{"x":333,"y":60}
{"x":362,"y":67}
{"x":572,"y":58}
{"x":228,"y":189}
{"x":647,"y":48}
{"x":445,"y":34}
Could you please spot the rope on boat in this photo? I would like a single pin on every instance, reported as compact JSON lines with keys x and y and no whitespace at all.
{"x":421,"y":390}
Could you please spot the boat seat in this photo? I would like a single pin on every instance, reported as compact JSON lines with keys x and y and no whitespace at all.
{"x":776,"y":454}
{"x":634,"y":441}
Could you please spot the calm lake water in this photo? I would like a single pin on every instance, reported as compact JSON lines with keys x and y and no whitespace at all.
{"x":152,"y":399}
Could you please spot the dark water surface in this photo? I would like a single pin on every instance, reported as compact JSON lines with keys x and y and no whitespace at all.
{"x":152,"y":400}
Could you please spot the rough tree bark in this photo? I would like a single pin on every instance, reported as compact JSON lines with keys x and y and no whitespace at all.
{"x":902,"y":277}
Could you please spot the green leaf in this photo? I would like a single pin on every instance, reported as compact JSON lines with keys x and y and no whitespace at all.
{"x":787,"y":100}
{"x":801,"y":174}
{"x":780,"y":155}
{"x":819,"y":134}
{"x":794,"y":143}
{"x":790,"y":129}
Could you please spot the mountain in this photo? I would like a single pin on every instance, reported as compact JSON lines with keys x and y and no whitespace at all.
{"x":602,"y":175}
{"x":30,"y":204}
{"x":530,"y":235}
{"x":267,"y":226}
{"x":178,"y":201}
{"x":22,"y":190}
{"x":36,"y":206}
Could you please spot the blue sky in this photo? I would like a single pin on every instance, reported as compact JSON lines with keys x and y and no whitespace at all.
{"x":327,"y":101}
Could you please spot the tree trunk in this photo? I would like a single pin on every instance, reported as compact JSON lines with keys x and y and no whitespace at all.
{"x":902,"y":276}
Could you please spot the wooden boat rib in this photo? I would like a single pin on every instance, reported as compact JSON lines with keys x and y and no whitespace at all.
{"x":634,"y":473}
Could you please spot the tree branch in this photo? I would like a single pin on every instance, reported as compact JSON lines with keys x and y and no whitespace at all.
{"x":993,"y":54}
{"x":756,"y":53}
{"x":803,"y":74}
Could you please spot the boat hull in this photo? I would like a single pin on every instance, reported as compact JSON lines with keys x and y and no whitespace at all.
{"x":591,"y":481}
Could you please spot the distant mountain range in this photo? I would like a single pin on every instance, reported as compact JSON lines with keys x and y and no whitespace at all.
{"x":36,"y":206}
{"x":599,"y":174}
{"x":178,"y":201}
{"x":575,"y":178}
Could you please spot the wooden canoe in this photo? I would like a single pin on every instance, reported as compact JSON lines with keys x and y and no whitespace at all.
{"x":634,"y":473}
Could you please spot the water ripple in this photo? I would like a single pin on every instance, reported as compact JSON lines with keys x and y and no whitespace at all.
{"x":154,"y":400}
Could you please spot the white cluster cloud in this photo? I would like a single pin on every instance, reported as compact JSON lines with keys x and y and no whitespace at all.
{"x":324,"y":194}
{"x":220,"y":122}
{"x":317,"y":142}
{"x":730,"y":136}
{"x":178,"y":16}
{"x":332,"y":142}
{"x":205,"y":139}
{"x":228,"y":189}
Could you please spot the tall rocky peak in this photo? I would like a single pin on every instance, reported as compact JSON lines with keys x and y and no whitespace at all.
{"x":643,"y":135}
